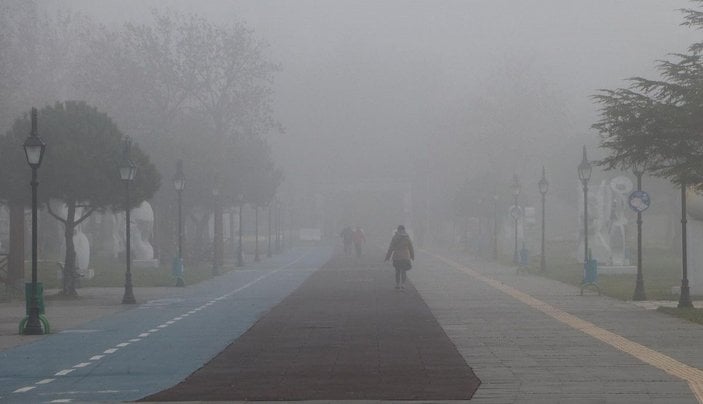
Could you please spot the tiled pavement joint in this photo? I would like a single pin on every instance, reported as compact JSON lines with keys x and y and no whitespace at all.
{"x":692,"y":375}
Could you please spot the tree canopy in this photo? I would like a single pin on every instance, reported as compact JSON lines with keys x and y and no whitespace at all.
{"x":80,"y":167}
{"x":658,"y":123}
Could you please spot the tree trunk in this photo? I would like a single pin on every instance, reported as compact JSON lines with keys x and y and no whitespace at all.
{"x":15,"y":263}
{"x":69,"y":268}
{"x":201,"y":227}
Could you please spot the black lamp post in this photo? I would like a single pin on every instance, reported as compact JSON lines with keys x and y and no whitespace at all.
{"x":34,"y":152}
{"x":127,"y":172}
{"x":240,"y":257}
{"x":256,"y":233}
{"x":638,"y":170}
{"x":278,"y":225}
{"x":543,"y":188}
{"x":495,"y":227}
{"x":268,"y":222}
{"x":179,"y":183}
{"x":515,"y":213}
{"x":685,"y":296}
{"x":584,"y":171}
{"x":217,"y":232}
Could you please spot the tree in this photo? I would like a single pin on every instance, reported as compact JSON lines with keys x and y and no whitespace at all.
{"x":189,"y":88}
{"x":80,"y":168}
{"x":658,"y":122}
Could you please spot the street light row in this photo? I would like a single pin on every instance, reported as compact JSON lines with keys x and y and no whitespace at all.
{"x":34,"y":147}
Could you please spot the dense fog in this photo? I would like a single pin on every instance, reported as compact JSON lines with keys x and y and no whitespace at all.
{"x":432,"y":94}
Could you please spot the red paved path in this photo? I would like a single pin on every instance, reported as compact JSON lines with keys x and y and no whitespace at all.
{"x":344,"y":334}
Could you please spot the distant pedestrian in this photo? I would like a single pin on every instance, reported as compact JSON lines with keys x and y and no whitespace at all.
{"x":359,"y":239}
{"x":347,"y":235}
{"x":402,"y":252}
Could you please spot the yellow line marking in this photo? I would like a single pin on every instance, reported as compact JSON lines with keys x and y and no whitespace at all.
{"x":692,"y":375}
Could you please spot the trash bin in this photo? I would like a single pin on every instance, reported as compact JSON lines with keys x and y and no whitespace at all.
{"x":524,"y":257}
{"x":177,"y":270}
{"x":590,"y":271}
{"x":28,"y":296}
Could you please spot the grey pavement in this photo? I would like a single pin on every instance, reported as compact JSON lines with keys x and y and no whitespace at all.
{"x":521,"y":355}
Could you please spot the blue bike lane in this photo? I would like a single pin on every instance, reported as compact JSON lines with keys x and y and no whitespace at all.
{"x":133,"y":353}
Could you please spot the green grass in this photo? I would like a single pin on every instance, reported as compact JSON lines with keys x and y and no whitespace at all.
{"x":661,"y":270}
{"x":690,"y":314}
{"x":111,"y":273}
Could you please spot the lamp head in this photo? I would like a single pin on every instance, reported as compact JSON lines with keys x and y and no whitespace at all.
{"x":127,"y":169}
{"x":585,"y":168}
{"x":543,"y":183}
{"x":34,"y":146}
{"x":179,"y":179}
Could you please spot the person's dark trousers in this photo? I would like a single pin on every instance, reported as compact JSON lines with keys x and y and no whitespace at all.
{"x":358,"y":250}
{"x":401,"y":267}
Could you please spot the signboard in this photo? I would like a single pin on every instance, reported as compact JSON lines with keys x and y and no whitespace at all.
{"x":639,"y":201}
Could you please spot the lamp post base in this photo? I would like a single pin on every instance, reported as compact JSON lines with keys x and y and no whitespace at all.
{"x":128,"y":297}
{"x":685,"y":297}
{"x":33,"y":325}
{"x":639,"y":294}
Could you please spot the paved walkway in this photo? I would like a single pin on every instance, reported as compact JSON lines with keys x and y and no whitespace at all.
{"x":528,"y":339}
{"x":534,"y":340}
{"x":345,"y":334}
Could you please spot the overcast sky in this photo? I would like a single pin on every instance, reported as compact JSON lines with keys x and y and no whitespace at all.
{"x":369,"y":86}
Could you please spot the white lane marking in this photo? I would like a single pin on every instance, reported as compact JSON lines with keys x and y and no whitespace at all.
{"x":113,"y":350}
{"x":122,"y":345}
{"x":64,"y":372}
{"x":135,"y":340}
{"x":143,"y":335}
{"x":45,"y":381}
{"x":61,"y":400}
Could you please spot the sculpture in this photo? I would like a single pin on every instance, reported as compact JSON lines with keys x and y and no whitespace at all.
{"x":141,"y":229}
{"x":607,"y":222}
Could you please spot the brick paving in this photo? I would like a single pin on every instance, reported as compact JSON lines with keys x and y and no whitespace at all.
{"x":345,"y":334}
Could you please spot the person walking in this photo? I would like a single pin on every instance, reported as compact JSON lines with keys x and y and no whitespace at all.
{"x":347,"y":235}
{"x":359,"y":239}
{"x":402,"y":252}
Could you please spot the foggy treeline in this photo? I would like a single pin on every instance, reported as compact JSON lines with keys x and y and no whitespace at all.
{"x":181,"y":86}
{"x":439,"y":94}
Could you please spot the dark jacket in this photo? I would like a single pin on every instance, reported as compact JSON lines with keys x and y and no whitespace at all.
{"x":401,"y":248}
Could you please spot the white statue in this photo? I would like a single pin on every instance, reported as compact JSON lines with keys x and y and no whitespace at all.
{"x":694,"y":238}
{"x":606,"y":222}
{"x":141,"y":229}
{"x":621,"y":187}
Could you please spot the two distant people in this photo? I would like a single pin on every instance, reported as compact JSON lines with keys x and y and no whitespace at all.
{"x":355,"y":237}
{"x":402,"y":252}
